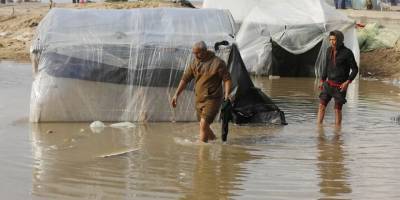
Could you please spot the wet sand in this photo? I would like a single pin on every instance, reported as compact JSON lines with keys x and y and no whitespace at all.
{"x":164,"y":161}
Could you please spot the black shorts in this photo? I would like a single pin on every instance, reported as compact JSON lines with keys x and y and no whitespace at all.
{"x":329,"y":91}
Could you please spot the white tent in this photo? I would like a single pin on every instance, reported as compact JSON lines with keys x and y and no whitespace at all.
{"x":238,"y":8}
{"x":119,"y":65}
{"x":299,"y":28}
{"x":125,"y":65}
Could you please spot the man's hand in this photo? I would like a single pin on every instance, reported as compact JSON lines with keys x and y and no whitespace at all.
{"x":174,"y":101}
{"x":343,"y":87}
{"x":321,"y":84}
{"x":227,"y":90}
{"x":181,"y":86}
{"x":228,"y":98}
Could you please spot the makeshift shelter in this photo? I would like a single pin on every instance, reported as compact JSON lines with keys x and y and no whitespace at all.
{"x":125,"y":65}
{"x":239,"y":9}
{"x":287,"y":37}
{"x":361,"y":4}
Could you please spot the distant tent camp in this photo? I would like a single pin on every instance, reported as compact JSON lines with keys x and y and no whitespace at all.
{"x":125,"y":65}
{"x":286,"y":37}
{"x":362,"y":4}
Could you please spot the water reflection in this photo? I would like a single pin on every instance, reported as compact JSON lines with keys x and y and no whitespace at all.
{"x":70,"y":163}
{"x":331,"y":164}
{"x":218,"y":172}
{"x":296,"y":161}
{"x":76,"y":142}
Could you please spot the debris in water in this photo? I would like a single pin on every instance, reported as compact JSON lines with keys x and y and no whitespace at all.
{"x":123,"y":125}
{"x":118,"y":153}
{"x":97,"y":126}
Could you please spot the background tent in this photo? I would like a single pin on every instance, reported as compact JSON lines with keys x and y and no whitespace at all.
{"x":125,"y":65}
{"x":288,"y":37}
{"x":239,"y":9}
{"x":361,"y":4}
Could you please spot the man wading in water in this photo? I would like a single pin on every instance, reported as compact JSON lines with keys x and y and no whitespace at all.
{"x":336,"y":76}
{"x":209,"y":72}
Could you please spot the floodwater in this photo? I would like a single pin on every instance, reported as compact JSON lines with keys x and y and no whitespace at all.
{"x":298,"y":161}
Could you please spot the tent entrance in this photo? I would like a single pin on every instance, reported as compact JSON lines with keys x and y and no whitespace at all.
{"x":287,"y":64}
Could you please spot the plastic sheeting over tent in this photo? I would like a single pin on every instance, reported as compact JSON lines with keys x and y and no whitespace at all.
{"x":287,"y":37}
{"x":330,"y":2}
{"x":360,"y":4}
{"x":124,"y":65}
{"x":238,"y":8}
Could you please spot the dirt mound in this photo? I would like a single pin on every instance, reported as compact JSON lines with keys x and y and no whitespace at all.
{"x":17,"y":27}
{"x":18,"y":23}
{"x":381,"y":63}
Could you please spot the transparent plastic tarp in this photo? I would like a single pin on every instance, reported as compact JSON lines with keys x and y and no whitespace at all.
{"x":294,"y":27}
{"x":359,"y":4}
{"x":239,"y":9}
{"x":120,"y":65}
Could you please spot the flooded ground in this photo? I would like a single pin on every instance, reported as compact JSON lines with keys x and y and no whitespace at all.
{"x":297,"y":161}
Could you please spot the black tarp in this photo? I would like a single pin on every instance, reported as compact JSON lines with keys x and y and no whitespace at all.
{"x":250,"y":104}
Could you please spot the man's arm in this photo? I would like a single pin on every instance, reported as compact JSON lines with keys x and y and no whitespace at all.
{"x":226,"y":78}
{"x":354,"y":71}
{"x":186,"y":78}
{"x":324,"y":70}
{"x":181,"y":87}
{"x":227,"y":89}
{"x":353,"y":66}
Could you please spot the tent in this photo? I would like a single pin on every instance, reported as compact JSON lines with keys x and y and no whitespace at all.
{"x":361,"y":4}
{"x":125,"y":65}
{"x":287,"y":37}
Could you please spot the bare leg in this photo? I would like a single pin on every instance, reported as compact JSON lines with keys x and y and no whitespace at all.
{"x":205,"y":131}
{"x":211,"y":135}
{"x":338,"y":117}
{"x":338,"y":130}
{"x":321,"y":113}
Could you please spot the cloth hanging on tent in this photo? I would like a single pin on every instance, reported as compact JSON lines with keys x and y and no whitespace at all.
{"x":226,"y":117}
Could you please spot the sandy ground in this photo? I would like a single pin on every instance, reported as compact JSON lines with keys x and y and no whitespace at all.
{"x":381,"y":63}
{"x":18,"y":24}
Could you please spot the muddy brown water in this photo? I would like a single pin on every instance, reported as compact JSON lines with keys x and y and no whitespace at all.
{"x":298,"y":161}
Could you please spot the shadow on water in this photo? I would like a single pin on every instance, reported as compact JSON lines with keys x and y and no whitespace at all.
{"x":218,"y":173}
{"x":68,"y":159}
{"x":69,"y":162}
